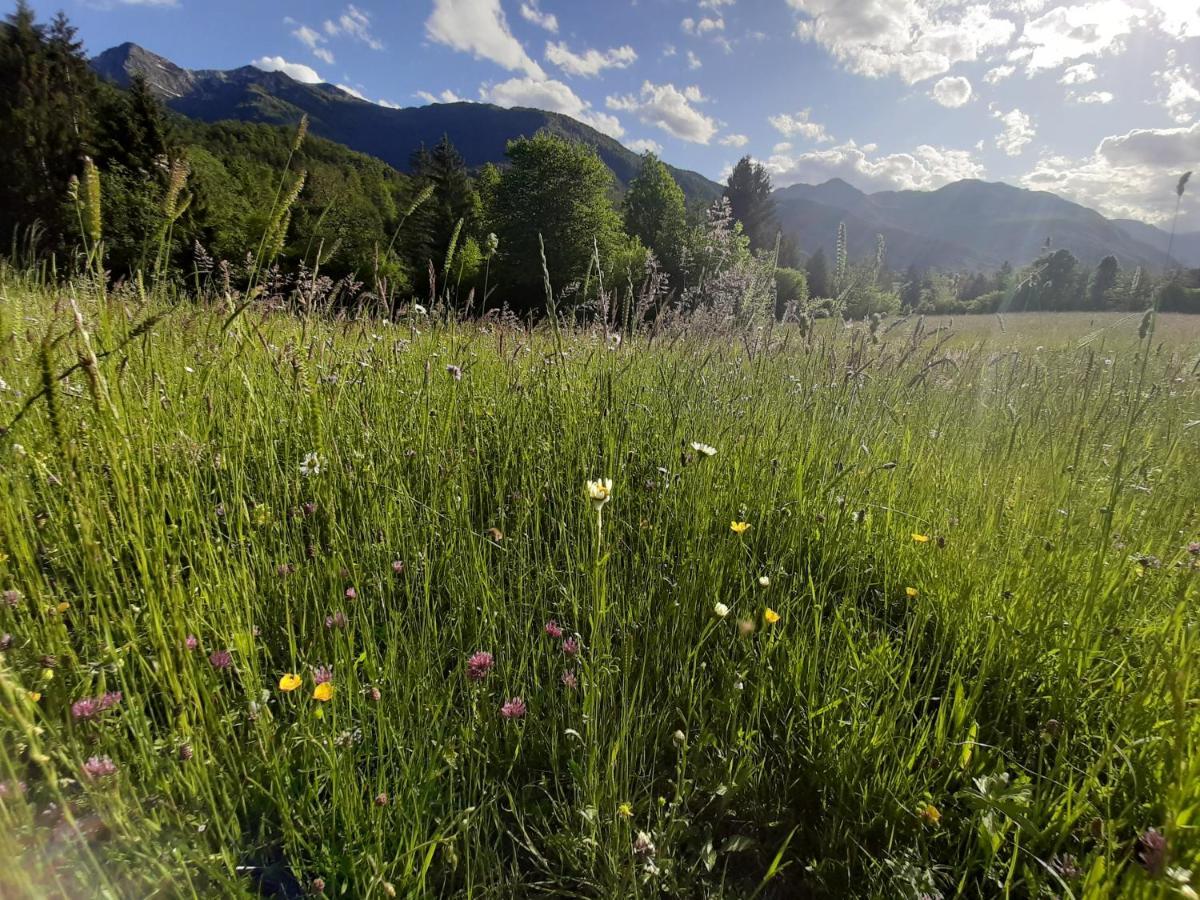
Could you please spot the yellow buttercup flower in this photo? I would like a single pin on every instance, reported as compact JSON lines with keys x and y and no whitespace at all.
{"x":34,"y":696}
{"x":289,"y":682}
{"x":323,"y":691}
{"x":921,"y":538}
{"x":910,"y":592}
{"x":929,"y":814}
{"x":739,"y":527}
{"x":771,"y":616}
{"x":625,"y":810}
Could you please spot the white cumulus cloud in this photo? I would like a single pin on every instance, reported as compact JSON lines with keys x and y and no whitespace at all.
{"x":1080,"y":73}
{"x":643,"y":145}
{"x":480,"y":28}
{"x":1018,"y":131}
{"x":356,"y":24}
{"x":924,"y":168}
{"x":668,"y":108}
{"x":591,"y":62}
{"x":1131,"y":175}
{"x":446,"y":96}
{"x":531,"y":12}
{"x":704,"y":26}
{"x":734,"y":140}
{"x":998,"y":73}
{"x":915,"y":39}
{"x":1068,"y":33}
{"x":1179,"y":90}
{"x":542,"y":93}
{"x":299,"y":71}
{"x":1090,"y":97}
{"x":952,"y":91}
{"x":800,"y":123}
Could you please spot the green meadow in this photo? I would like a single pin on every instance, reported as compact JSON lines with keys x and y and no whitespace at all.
{"x":903,"y":609}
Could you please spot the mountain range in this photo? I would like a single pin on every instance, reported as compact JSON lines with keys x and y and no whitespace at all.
{"x":968,"y":224}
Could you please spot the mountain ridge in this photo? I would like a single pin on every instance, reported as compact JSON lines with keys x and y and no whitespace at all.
{"x":480,"y":131}
{"x":968,"y":224}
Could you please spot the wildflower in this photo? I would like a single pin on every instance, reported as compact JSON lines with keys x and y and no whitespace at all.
{"x":99,"y":767}
{"x":569,"y":680}
{"x":289,"y":681}
{"x":283,"y":570}
{"x":308,"y":509}
{"x":720,"y":610}
{"x":381,"y":799}
{"x":311,"y":465}
{"x":679,"y":738}
{"x":322,"y":675}
{"x":337,"y":620}
{"x":643,"y":845}
{"x":190,"y":642}
{"x":739,"y":527}
{"x":770,"y":616}
{"x":11,"y":598}
{"x":317,"y":886}
{"x":374,"y":694}
{"x":570,"y":646}
{"x":185,"y":752}
{"x":920,"y":538}
{"x":1152,"y":850}
{"x":18,"y":450}
{"x":84,"y":709}
{"x":1181,"y":878}
{"x":262,"y":514}
{"x":746,"y":627}
{"x":929,"y":814}
{"x":625,"y":810}
{"x":454,"y":372}
{"x":323,"y":691}
{"x":479,"y":665}
{"x":6,"y":640}
{"x":764,"y":581}
{"x":599,"y":492}
{"x":910,"y":592}
{"x":220,"y":659}
{"x":552,"y":628}
{"x":1194,"y":548}
{"x":351,"y":594}
{"x":419,"y":309}
{"x":397,"y":567}
{"x":514,"y":708}
{"x":704,"y":449}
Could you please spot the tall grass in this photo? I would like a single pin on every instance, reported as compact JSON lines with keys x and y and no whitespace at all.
{"x":981,"y":682}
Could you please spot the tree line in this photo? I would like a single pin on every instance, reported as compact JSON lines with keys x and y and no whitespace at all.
{"x":215,"y":205}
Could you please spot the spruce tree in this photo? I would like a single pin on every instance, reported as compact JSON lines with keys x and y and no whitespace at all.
{"x":748,"y":190}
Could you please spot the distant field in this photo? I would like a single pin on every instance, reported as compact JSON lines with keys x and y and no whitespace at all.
{"x":306,"y":607}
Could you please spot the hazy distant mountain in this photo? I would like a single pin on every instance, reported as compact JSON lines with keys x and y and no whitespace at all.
{"x":480,"y":131}
{"x":1185,"y":249}
{"x":966,"y":224}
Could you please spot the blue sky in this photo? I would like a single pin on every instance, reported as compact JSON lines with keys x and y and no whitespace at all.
{"x":1098,"y":100}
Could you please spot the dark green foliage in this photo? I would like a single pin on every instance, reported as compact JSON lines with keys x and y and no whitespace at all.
{"x":1103,"y":283}
{"x":817,"y":269}
{"x":556,"y":190}
{"x":791,"y":287}
{"x":749,"y":193}
{"x":655,"y":213}
{"x":453,"y":201}
{"x":47,"y":96}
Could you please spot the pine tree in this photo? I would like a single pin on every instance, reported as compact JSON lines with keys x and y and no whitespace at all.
{"x":749,"y":193}
{"x":453,"y":201}
{"x":47,"y":95}
{"x":1103,"y":282}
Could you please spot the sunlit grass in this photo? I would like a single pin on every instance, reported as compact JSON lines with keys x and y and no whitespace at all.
{"x":952,"y":650}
